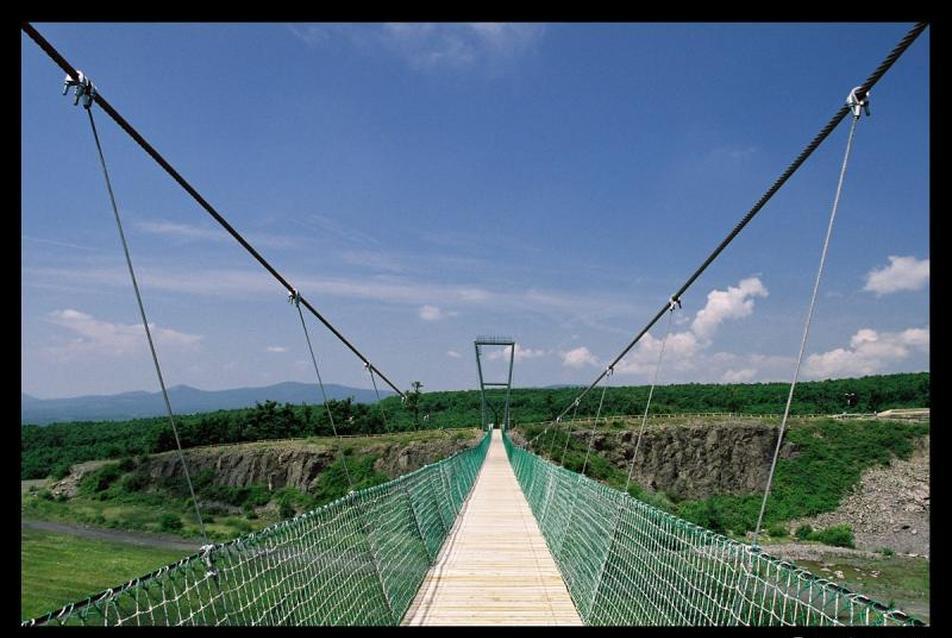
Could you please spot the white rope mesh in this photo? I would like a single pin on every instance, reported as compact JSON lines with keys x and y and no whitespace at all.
{"x":319,"y":568}
{"x":628,"y":563}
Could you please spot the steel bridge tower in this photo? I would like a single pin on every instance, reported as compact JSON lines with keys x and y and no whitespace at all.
{"x":486,"y":403}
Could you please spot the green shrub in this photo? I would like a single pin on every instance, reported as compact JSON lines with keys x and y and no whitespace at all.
{"x":777,"y":531}
{"x":286,"y":509}
{"x":46,"y":495}
{"x":127,"y":464}
{"x":100,"y":480}
{"x":170,"y":522}
{"x":239,"y":525}
{"x":887,"y":552}
{"x":135,"y":482}
{"x":837,"y":535}
{"x":60,"y":471}
{"x":804,"y":532}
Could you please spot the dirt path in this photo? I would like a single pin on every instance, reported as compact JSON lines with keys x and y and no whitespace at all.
{"x":145,"y":539}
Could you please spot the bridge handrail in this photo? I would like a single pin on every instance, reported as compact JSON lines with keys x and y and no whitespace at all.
{"x":627,"y":562}
{"x":356,"y":560}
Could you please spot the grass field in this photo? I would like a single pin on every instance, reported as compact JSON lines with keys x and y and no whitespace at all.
{"x":50,"y":577}
{"x":897,"y":580}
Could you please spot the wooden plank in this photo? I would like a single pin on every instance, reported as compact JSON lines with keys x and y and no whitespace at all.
{"x":494,"y":568}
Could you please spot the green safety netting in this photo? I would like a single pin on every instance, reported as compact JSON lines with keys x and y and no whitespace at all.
{"x":628,"y":563}
{"x":358,"y":560}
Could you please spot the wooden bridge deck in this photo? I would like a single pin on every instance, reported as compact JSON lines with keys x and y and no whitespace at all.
{"x":494,"y":567}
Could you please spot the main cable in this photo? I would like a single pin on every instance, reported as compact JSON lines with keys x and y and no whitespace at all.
{"x":861,"y":92}
{"x":174,"y":174}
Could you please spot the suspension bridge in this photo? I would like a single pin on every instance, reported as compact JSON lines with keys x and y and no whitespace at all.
{"x":495,"y":534}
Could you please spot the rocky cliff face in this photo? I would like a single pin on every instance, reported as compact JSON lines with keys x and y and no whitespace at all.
{"x":278,"y":464}
{"x":297,"y":463}
{"x":694,"y":461}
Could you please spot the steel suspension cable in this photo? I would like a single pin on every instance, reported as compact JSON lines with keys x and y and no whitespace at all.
{"x":383,"y":412}
{"x":330,"y":415}
{"x":654,"y":383}
{"x":861,"y":92}
{"x":97,"y":97}
{"x":145,"y":323}
{"x":806,"y":324}
{"x":568,"y":434}
{"x":591,"y":438}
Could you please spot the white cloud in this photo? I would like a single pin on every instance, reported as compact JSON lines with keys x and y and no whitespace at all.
{"x":521,"y":353}
{"x":902,"y":273}
{"x":434,"y":313}
{"x":578,"y":358}
{"x":683,"y":348}
{"x":739,"y":376}
{"x":116,"y":339}
{"x":869,"y":352}
{"x":276,"y":349}
{"x":733,"y":303}
{"x":453,"y":353}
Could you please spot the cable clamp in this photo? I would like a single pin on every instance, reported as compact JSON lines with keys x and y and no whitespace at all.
{"x":207,"y":559}
{"x":84,"y":89}
{"x":295,"y":298}
{"x":673,"y":303}
{"x":609,"y":371}
{"x":856,"y":104}
{"x":577,"y":402}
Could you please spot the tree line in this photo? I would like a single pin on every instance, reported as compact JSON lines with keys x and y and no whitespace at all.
{"x":51,"y":449}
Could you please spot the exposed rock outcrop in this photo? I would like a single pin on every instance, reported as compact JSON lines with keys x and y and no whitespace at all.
{"x":277,"y":464}
{"x":695,"y":460}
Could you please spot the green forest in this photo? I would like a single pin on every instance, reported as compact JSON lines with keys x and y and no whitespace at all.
{"x":50,"y":450}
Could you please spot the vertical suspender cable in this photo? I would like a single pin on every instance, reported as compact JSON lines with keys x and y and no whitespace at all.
{"x":145,"y":323}
{"x":654,"y":382}
{"x":806,"y":324}
{"x":860,"y":92}
{"x":383,"y":413}
{"x":330,"y":416}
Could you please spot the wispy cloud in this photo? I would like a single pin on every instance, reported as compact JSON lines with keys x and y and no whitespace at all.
{"x":256,"y":284}
{"x":428,"y":47}
{"x":190,"y":232}
{"x":902,"y":273}
{"x":328,"y":225}
{"x":453,"y":353}
{"x":276,"y":349}
{"x":99,"y":337}
{"x":56,"y":242}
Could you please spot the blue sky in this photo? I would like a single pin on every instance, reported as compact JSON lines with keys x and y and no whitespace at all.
{"x":423,"y":184}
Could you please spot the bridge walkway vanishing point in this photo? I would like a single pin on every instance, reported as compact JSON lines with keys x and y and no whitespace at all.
{"x":494,"y":567}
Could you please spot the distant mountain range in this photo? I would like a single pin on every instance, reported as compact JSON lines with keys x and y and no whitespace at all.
{"x":184,"y":399}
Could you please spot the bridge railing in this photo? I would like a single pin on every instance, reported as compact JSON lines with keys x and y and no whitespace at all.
{"x":628,"y":563}
{"x":358,"y":560}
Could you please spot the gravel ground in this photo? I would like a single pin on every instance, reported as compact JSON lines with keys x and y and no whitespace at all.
{"x":889,"y":508}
